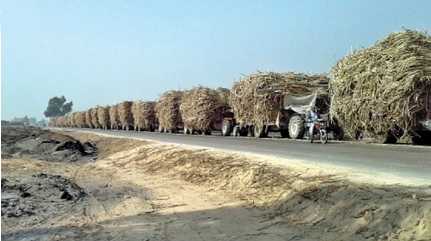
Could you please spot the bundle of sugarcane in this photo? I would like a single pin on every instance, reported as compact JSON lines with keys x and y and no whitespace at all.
{"x":200,"y":107}
{"x":168,"y":110}
{"x":224,"y":94}
{"x":114,"y":117}
{"x":144,"y":115}
{"x":60,"y":121}
{"x":125,"y":115}
{"x":52,"y":122}
{"x":94,"y":117}
{"x":66,"y":121}
{"x":88,"y":121}
{"x":256,"y":98}
{"x":80,"y":119}
{"x":103,"y":117}
{"x":69,"y":120}
{"x":55,"y":122}
{"x":375,"y":88}
{"x":75,"y":119}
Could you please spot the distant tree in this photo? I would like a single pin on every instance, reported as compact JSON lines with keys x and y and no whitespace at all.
{"x":57,"y":106}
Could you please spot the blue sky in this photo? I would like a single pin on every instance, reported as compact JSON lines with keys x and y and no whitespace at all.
{"x":103,"y":52}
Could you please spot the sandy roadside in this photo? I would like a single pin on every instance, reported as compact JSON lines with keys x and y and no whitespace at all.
{"x":139,"y":190}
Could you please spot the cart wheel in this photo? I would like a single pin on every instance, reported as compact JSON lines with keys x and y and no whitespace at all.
{"x":187,"y":131}
{"x":260,"y":131}
{"x":235,"y":131}
{"x":227,"y":128}
{"x":243,"y":131}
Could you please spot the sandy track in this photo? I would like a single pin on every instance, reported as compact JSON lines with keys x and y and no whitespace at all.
{"x":137,"y":206}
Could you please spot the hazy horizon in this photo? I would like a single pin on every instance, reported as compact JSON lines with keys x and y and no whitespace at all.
{"x":95,"y":53}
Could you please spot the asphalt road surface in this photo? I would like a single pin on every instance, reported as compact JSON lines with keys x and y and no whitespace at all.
{"x":398,"y":160}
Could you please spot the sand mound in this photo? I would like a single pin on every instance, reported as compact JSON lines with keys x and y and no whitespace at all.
{"x":31,"y":142}
{"x":315,"y":206}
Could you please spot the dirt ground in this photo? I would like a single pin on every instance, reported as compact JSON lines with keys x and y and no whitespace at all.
{"x":36,"y":143}
{"x":139,"y":190}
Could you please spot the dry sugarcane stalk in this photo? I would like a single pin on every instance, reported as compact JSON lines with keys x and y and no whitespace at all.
{"x":52,"y":122}
{"x":125,"y":115}
{"x":255,"y":99}
{"x":75,"y":116}
{"x":167,"y":110}
{"x":69,"y":120}
{"x":144,"y":116}
{"x":80,"y":119}
{"x":373,"y":88}
{"x":224,"y":95}
{"x":60,"y":121}
{"x":201,"y":107}
{"x":114,"y":117}
{"x":94,"y":117}
{"x":103,"y":117}
{"x":88,"y":121}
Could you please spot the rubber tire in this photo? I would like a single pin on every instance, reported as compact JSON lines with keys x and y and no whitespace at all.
{"x":186,"y":131}
{"x":250,"y":131}
{"x":260,"y":131}
{"x":206,"y":132}
{"x":296,"y":127}
{"x":338,"y":134}
{"x":243,"y":131}
{"x":390,"y":139}
{"x":284,"y":133}
{"x":324,"y":140}
{"x":235,"y":131}
{"x":227,"y":127}
{"x":424,"y":138}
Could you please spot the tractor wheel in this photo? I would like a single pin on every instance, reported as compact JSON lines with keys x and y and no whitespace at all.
{"x":296,"y":127}
{"x":284,"y":132}
{"x":422,"y":138}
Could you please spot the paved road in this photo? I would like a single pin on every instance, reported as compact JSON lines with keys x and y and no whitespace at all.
{"x":398,"y":160}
